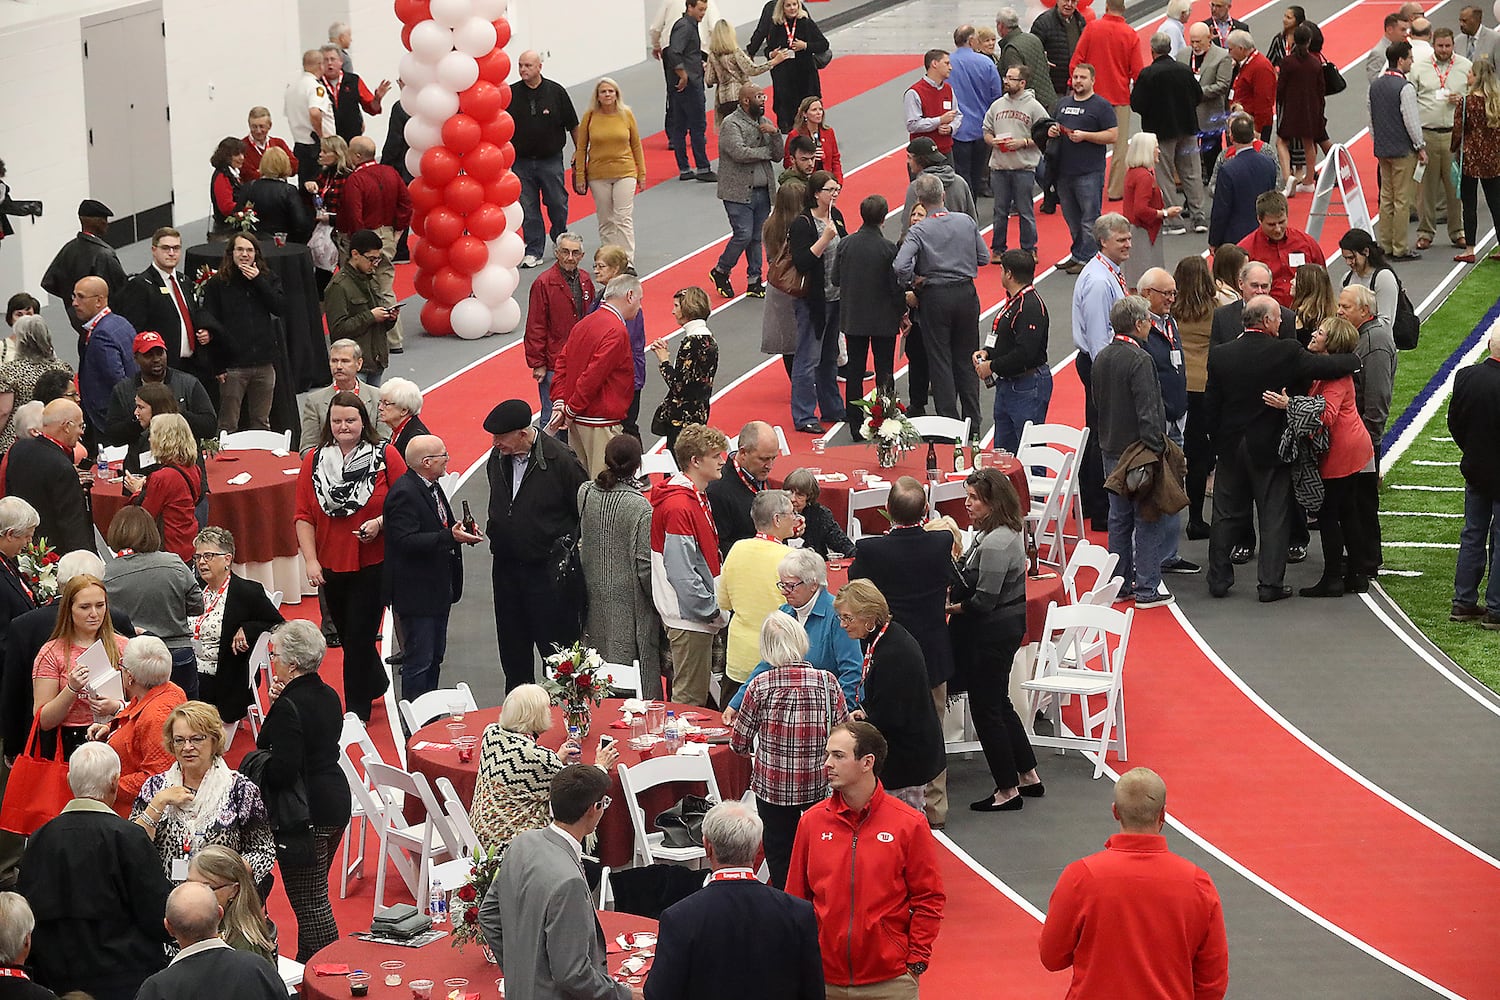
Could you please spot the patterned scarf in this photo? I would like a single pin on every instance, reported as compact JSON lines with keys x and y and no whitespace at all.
{"x":345,"y":484}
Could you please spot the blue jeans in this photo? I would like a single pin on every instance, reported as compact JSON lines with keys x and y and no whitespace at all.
{"x":426,"y":645}
{"x":1481,"y":524}
{"x":689,"y":116}
{"x":185,"y":671}
{"x":1018,"y":400}
{"x":1139,"y":543}
{"x":541,"y":182}
{"x":544,"y":397}
{"x":745,"y":222}
{"x":1013,"y":189}
{"x":1174,"y":534}
{"x":1081,"y":196}
{"x":815,"y":365}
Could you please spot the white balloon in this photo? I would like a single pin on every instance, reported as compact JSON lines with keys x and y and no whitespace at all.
{"x":414,"y":159}
{"x":507,"y":249}
{"x":490,"y":10}
{"x":451,"y":12}
{"x":436,"y":103}
{"x":457,"y":71}
{"x":431,"y":41}
{"x":494,"y":284}
{"x":471,"y":319}
{"x":422,"y":135}
{"x":505,"y":317}
{"x":415,"y":74}
{"x":1497,"y":8}
{"x":475,"y":37}
{"x":513,"y":217}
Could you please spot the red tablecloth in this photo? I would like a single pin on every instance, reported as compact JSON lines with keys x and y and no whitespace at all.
{"x":437,"y":961}
{"x":1039,"y":593}
{"x":616,"y":837}
{"x":260,"y":513}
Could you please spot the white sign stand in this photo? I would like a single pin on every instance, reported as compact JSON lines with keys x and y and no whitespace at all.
{"x":1345,"y":175}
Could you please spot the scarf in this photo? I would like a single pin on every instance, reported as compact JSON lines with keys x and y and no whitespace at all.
{"x":209,"y":802}
{"x":344,"y":485}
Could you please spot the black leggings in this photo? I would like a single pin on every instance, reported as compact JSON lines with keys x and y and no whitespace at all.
{"x":985,"y":671}
{"x":884,"y":351}
{"x":1339,"y":529}
{"x":780,"y":832}
{"x":1468,"y":192}
{"x":1200,"y":455}
{"x":354,"y":601}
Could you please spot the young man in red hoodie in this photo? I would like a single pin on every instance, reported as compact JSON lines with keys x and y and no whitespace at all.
{"x":595,"y":379}
{"x":893,"y":875}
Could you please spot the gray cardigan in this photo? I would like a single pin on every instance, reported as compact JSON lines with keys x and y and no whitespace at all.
{"x":747,"y":157}
{"x":158,"y":592}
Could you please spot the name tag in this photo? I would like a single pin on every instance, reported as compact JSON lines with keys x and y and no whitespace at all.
{"x":1176,"y":357}
{"x":947,"y":105}
{"x":179,"y":870}
{"x":1296,"y":259}
{"x":165,"y":290}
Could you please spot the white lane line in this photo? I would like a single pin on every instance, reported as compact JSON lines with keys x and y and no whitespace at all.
{"x":1400,"y":572}
{"x":1483,"y":696}
{"x":1442,"y":440}
{"x":1419,"y":545}
{"x":989,"y":876}
{"x":1420,"y":461}
{"x":1416,"y":513}
{"x":1425,"y":489}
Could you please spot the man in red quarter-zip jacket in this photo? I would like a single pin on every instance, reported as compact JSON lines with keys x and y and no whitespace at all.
{"x":863,"y":844}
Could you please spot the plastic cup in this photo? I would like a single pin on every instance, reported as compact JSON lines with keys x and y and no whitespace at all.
{"x":465,"y":745}
{"x":359,"y":984}
{"x":656,"y":717}
{"x":392,"y":971}
{"x":449,"y":985}
{"x":637,"y":726}
{"x":859,"y":476}
{"x":456,"y":730}
{"x":819,"y":446}
{"x":421,"y":989}
{"x":456,"y":709}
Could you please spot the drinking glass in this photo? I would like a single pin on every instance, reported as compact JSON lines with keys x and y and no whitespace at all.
{"x":859,"y":476}
{"x":465,"y":746}
{"x":819,"y":446}
{"x":656,"y":717}
{"x":421,"y":989}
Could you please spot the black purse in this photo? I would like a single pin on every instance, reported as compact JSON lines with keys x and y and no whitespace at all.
{"x":682,"y":825}
{"x":565,"y":569}
{"x":1333,"y":80}
{"x":287,"y":809}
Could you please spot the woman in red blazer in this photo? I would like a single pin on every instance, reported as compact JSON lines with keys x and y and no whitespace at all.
{"x":1144,"y":206}
{"x":170,"y":490}
{"x":810,"y":115}
{"x":1349,"y":452}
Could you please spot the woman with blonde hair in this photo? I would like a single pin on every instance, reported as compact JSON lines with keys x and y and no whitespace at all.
{"x":690,"y":381}
{"x":1194,"y":314}
{"x":279,"y":206}
{"x":786,"y":25}
{"x":608,"y":162}
{"x":1313,"y":299}
{"x":245,"y":926}
{"x":1476,"y":143}
{"x":728,"y":67}
{"x":59,"y":695}
{"x":1145,"y":207}
{"x":325,"y":191}
{"x":171,"y":491}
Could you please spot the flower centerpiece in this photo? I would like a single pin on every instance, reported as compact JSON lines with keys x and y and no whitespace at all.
{"x":577,"y":680}
{"x":200,"y":279}
{"x":467,"y":897}
{"x":38,"y":564}
{"x":888,"y":427}
{"x":245,"y":220}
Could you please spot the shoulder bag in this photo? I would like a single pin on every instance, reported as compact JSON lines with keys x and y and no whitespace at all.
{"x":38,"y":786}
{"x":784,"y":277}
{"x":565,"y":568}
{"x":1333,"y":80}
{"x":287,"y":808}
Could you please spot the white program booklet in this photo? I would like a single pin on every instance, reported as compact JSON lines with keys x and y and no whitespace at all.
{"x":104,"y":680}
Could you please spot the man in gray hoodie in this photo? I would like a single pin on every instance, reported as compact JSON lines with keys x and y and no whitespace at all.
{"x":922,"y":157}
{"x":1013,"y":157}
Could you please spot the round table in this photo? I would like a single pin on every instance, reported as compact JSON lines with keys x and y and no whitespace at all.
{"x":259,"y":513}
{"x":616,"y":836}
{"x":439,"y":961}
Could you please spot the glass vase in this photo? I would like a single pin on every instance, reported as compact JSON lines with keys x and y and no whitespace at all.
{"x":579,"y":714}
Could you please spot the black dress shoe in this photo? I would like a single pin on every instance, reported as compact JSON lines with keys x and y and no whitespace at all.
{"x":1241,"y":554}
{"x":1356,"y":583}
{"x":1270,"y":595}
{"x":1198,"y":530}
{"x":811,"y":427}
{"x":333,"y":641}
{"x":1296,"y":553}
{"x":1218,"y":593}
{"x":1326,"y":587}
{"x":987,"y":805}
{"x":1035,"y":791}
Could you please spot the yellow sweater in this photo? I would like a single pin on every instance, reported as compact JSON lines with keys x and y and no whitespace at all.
{"x":747,"y":586}
{"x":609,"y":148}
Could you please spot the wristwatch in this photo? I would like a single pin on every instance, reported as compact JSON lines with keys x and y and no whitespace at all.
{"x":916,"y":968}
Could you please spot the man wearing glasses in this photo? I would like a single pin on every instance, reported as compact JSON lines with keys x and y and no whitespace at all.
{"x":40,"y":471}
{"x":160,"y":298}
{"x":539,"y":915}
{"x":355,"y":306}
{"x":560,"y":296}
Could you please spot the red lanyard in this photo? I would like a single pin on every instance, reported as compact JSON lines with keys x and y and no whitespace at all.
{"x":766,"y":537}
{"x":745,"y":478}
{"x":1127,"y":340}
{"x":864,"y":670}
{"x":208,"y":609}
{"x":10,"y":972}
{"x":1442,"y":77}
{"x":1117,"y":274}
{"x":791,"y":32}
{"x":732,"y":875}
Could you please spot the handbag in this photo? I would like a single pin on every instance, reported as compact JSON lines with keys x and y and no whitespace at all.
{"x":38,"y":786}
{"x":682,"y":824}
{"x":822,"y":59}
{"x":785,"y":278}
{"x":1333,"y":80}
{"x":661,"y":422}
{"x":1456,"y":163}
{"x":325,"y":256}
{"x":286,"y":808}
{"x":565,"y":569}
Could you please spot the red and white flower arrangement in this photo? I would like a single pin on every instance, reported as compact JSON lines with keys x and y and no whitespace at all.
{"x":888,"y":427}
{"x":38,"y":564}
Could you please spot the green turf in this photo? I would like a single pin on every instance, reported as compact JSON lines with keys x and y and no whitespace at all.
{"x":1427,"y":599}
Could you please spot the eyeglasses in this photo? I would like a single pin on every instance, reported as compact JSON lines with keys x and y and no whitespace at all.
{"x":197,"y":740}
{"x":374,"y":257}
{"x":847,"y":619}
{"x":434,"y":458}
{"x":604,"y":803}
{"x":170,"y":247}
{"x":205,"y":556}
{"x":831,"y":189}
{"x":570,"y":254}
{"x":1157,"y":291}
{"x":787,"y":588}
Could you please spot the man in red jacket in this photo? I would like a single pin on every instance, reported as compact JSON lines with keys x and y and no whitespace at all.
{"x":1114,"y":50}
{"x":1254,"y":88}
{"x":894,"y":875}
{"x":1279,"y":246}
{"x":1135,"y":921}
{"x":560,"y":296}
{"x":375,"y":197}
{"x":595,"y":379}
{"x":258,"y":141}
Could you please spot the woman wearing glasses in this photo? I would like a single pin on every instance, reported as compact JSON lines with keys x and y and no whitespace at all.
{"x":235,"y":613}
{"x":200,"y":800}
{"x":245,"y":926}
{"x":814,"y":241}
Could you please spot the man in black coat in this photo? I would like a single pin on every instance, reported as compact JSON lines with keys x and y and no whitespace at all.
{"x":160,"y":298}
{"x":534,"y":481}
{"x":84,"y":255}
{"x":207,"y":965}
{"x":873,"y":306}
{"x":1166,"y":96}
{"x":1246,"y":434}
{"x":913,"y":569}
{"x":424,"y":566}
{"x":1059,"y":29}
{"x":1228,"y":322}
{"x":745,"y":475}
{"x":1474,"y":422}
{"x":152,"y":360}
{"x":98,"y":924}
{"x":750,"y":940}
{"x":40,"y":471}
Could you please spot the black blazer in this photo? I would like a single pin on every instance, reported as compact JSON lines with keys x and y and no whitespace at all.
{"x":414,"y":428}
{"x":704,"y":939}
{"x":1238,"y":372}
{"x":913,"y":569}
{"x":1473,"y":415}
{"x":729,"y":500}
{"x":247,"y":607}
{"x":222,"y":973}
{"x":822,"y":533}
{"x":898,"y":702}
{"x":42,"y":474}
{"x":302,"y":732}
{"x":802,"y":234}
{"x":424,"y":567}
{"x":247,"y":313}
{"x":280,"y":208}
{"x":870,"y":299}
{"x":1229,"y":323}
{"x":27,"y":634}
{"x":148,"y":304}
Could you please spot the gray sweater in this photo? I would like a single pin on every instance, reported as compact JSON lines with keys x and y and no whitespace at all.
{"x":158,"y":592}
{"x":1128,"y":396}
{"x":1374,"y":383}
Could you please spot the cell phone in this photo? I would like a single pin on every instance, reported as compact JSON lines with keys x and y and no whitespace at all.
{"x":606,"y":741}
{"x":395,"y":308}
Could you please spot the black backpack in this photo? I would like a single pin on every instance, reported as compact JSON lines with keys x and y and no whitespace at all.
{"x":1406,"y":327}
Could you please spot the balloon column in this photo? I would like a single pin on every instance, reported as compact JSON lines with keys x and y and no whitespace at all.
{"x":466,"y":214}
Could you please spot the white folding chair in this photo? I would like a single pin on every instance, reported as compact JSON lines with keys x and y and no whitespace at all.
{"x":781,"y":442}
{"x":938,"y":493}
{"x":255,"y":441}
{"x":874,"y":498}
{"x":457,"y":871}
{"x":1063,"y":438}
{"x":291,"y":974}
{"x":260,"y":666}
{"x":942,"y":428}
{"x":625,"y":677}
{"x":355,"y":734}
{"x":413,"y":847}
{"x":435,"y":704}
{"x":1087,"y":556}
{"x":115,"y":454}
{"x":658,"y":463}
{"x":1048,"y":516}
{"x":663,"y":771}
{"x":1064,"y":638}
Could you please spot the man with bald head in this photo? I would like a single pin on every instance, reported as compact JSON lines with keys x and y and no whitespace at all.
{"x":207,"y":965}
{"x":309,"y":115}
{"x":108,"y":353}
{"x":375,"y":197}
{"x":1176,"y":947}
{"x":544,"y":117}
{"x":424,"y":570}
{"x":744,"y":476}
{"x":40,"y":471}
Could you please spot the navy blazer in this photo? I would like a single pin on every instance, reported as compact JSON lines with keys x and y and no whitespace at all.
{"x":913,"y":569}
{"x":748,"y":940}
{"x":421,"y":553}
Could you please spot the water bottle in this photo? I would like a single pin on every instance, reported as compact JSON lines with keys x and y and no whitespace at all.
{"x":669,"y":733}
{"x":437,"y":903}
{"x":101,"y":471}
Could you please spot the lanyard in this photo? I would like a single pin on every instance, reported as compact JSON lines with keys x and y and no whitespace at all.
{"x":864,"y":670}
{"x":769,"y":538}
{"x":732,"y":875}
{"x":1442,"y":76}
{"x":1221,"y":28}
{"x":11,"y":972}
{"x":208,"y":609}
{"x":791,"y":32}
{"x":1121,"y":338}
{"x":747,"y":480}
{"x":1114,"y":272}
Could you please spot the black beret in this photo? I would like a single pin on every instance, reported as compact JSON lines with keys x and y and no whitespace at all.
{"x":511,"y":415}
{"x":91,"y":209}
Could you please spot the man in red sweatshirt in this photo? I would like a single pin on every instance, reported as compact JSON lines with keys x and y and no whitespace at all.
{"x":1279,"y":246}
{"x":892,"y":879}
{"x":1114,"y":50}
{"x":1135,"y":921}
{"x":595,"y":379}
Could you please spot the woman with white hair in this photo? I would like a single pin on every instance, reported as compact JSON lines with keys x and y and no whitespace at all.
{"x":135,"y":733}
{"x":18,"y":522}
{"x":786,"y":714}
{"x":1145,"y":207}
{"x":400,"y":402}
{"x":515,"y":771}
{"x":33,"y":358}
{"x":16,"y":925}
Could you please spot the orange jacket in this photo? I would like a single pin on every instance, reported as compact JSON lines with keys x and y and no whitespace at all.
{"x":137,"y":739}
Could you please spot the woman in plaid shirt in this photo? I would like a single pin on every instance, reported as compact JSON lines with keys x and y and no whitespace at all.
{"x":786,"y":714}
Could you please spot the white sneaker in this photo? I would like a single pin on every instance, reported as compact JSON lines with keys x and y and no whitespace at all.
{"x":1306,"y":188}
{"x":1200,"y":228}
{"x":531,"y":260}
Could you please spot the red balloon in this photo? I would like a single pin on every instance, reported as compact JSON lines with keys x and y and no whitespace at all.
{"x":468,"y":255}
{"x":443,"y":226}
{"x":464,"y":195}
{"x":439,"y":166}
{"x":437,"y":319}
{"x":481,"y":101}
{"x":461,"y":133}
{"x":504,"y":98}
{"x":424,"y":196}
{"x":423,"y":284}
{"x":502,"y":32}
{"x":406,"y":37}
{"x":509,"y":152}
{"x":500,"y":129}
{"x":495,"y":67}
{"x":507,"y":190}
{"x":486,"y":222}
{"x":413,"y":12}
{"x":484,"y":162}
{"x":449,"y":286}
{"x":428,"y":256}
{"x":418,"y":224}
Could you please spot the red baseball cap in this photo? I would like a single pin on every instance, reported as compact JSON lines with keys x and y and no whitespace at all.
{"x":149,"y":340}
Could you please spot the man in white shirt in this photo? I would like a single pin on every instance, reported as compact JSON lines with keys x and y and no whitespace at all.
{"x":309,"y":115}
{"x":1441,"y":81}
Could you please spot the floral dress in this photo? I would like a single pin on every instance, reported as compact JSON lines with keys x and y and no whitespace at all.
{"x":239,"y":822}
{"x":690,"y":382}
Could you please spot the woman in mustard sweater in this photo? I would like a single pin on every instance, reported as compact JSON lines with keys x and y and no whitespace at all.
{"x":608,"y":163}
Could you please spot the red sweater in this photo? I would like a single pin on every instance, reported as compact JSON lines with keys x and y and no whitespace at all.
{"x":894,"y":874}
{"x":936,"y":102}
{"x":551,"y":316}
{"x":1143,"y":200}
{"x":830,"y":160}
{"x":250,"y":169}
{"x":170,"y":495}
{"x":1114,"y":50}
{"x":595,"y":376}
{"x":337,"y":547}
{"x":1137,"y":922}
{"x":1349,"y":447}
{"x":1278,"y":256}
{"x":373,"y":196}
{"x":1255,"y":90}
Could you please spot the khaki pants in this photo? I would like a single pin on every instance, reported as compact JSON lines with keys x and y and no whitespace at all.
{"x":1397,"y":193}
{"x":903,"y":987}
{"x":1439,"y":196}
{"x":692,"y":658}
{"x":255,"y":386}
{"x":1183,"y":154}
{"x":937,"y":789}
{"x":1115,"y":188}
{"x":588,"y":441}
{"x":614,"y":204}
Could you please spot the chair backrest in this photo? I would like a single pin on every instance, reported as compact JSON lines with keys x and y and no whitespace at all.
{"x":354,"y":733}
{"x":1087,"y":556}
{"x":388,"y":780}
{"x":656,"y":771}
{"x":1071,"y":630}
{"x":1062,"y":436}
{"x":946,"y":492}
{"x":659,"y":463}
{"x":874,"y":498}
{"x":458,"y":817}
{"x":1042,"y":456}
{"x":624,"y":676}
{"x":367,"y":801}
{"x":255,"y":441}
{"x":941,"y":428}
{"x":435,"y":704}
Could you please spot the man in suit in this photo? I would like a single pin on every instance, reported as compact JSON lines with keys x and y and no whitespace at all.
{"x":595,"y":377}
{"x":1474,"y":422}
{"x":1248,"y":170}
{"x":1396,"y":28}
{"x":1220,"y":23}
{"x":748,"y":939}
{"x":1253,"y":89}
{"x":744,"y":476}
{"x":86,"y":254}
{"x":1214,"y":70}
{"x":160,"y":298}
{"x":1246,"y":433}
{"x":1477,"y":40}
{"x":207,"y":964}
{"x":18,"y":522}
{"x":913,"y":569}
{"x":538,"y":916}
{"x":424,"y":569}
{"x":40,"y":471}
{"x":1228,"y":322}
{"x":107,"y":355}
{"x":150,"y":351}
{"x":345,"y":359}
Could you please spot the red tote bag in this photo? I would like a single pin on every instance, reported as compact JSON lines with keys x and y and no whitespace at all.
{"x":38,"y":787}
